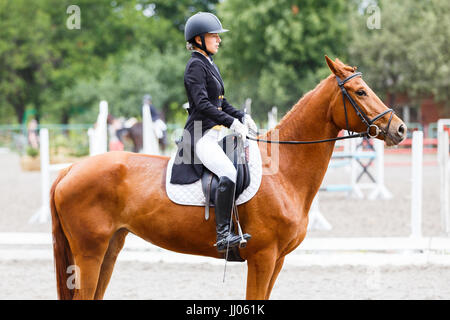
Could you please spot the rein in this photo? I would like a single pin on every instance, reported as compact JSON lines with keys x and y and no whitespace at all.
{"x":356,"y":135}
{"x":361,"y":114}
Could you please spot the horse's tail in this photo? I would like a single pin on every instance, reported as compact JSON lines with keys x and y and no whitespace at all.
{"x":62,"y":253}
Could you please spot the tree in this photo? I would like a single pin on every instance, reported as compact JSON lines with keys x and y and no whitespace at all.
{"x":178,"y":11}
{"x":124,"y":83}
{"x":274,"y":52}
{"x":154,"y":63}
{"x":41,"y":58}
{"x":409,"y":52}
{"x":25,"y":55}
{"x":108,"y":30}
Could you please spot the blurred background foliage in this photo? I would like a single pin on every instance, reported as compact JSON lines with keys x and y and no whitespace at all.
{"x":274,"y":53}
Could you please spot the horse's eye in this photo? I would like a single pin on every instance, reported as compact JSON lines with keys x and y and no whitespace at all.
{"x":361,"y":93}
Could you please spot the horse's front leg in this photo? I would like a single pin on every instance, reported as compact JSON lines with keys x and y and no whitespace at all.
{"x":276,"y":272}
{"x":261,"y":267}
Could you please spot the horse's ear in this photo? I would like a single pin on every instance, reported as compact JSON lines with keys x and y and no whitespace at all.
{"x":332,"y":66}
{"x":344,"y":66}
{"x":339,"y":62}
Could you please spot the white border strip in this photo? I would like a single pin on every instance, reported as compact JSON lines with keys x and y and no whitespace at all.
{"x":293,"y":259}
{"x":309,"y":244}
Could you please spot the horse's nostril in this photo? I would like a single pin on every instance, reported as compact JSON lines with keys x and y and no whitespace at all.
{"x":401,"y":130}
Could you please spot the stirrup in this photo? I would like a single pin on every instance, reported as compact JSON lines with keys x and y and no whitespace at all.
{"x":224,"y":243}
{"x":240,"y":240}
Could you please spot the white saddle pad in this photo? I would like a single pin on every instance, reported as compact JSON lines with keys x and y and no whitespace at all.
{"x":192,"y":194}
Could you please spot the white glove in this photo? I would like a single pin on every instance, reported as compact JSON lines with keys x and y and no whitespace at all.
{"x":251,"y":125}
{"x":240,"y":128}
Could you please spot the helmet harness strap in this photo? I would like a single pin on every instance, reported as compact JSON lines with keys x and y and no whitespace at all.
{"x":203,"y":45}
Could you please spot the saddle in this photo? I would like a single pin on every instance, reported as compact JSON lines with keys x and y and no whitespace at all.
{"x":202,"y":191}
{"x":234,"y":149}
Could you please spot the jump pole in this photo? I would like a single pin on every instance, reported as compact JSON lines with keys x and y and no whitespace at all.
{"x":316,"y":220}
{"x":443,"y":160}
{"x":272,"y":116}
{"x":380,"y":192}
{"x":98,"y":136}
{"x":356,"y":191}
{"x":442,"y":123}
{"x":416,"y":185}
{"x":149,"y":140}
{"x":43,"y":214}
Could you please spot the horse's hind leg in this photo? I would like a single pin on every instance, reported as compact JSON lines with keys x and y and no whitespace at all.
{"x":115,"y":246}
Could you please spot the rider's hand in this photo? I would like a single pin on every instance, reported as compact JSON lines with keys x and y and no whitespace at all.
{"x":239,"y":128}
{"x":251,"y":125}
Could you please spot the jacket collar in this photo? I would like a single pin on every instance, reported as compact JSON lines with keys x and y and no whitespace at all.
{"x":212,"y":66}
{"x":198,"y":54}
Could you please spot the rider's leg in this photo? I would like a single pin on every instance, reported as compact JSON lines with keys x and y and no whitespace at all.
{"x":213,"y":158}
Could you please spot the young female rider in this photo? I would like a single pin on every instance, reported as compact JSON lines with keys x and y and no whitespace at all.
{"x":209,"y":109}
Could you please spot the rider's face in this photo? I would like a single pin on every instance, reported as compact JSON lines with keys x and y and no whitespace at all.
{"x":212,"y":41}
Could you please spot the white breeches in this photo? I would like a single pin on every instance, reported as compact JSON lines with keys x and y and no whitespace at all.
{"x":212,"y":156}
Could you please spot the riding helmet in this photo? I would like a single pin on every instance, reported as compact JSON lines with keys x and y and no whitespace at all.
{"x":146,"y":98}
{"x":201,"y":23}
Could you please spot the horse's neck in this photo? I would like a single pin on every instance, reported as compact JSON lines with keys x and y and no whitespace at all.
{"x":304,"y":166}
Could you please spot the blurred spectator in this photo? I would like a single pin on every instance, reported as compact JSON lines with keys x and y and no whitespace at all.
{"x":158,"y":125}
{"x":33,"y":140}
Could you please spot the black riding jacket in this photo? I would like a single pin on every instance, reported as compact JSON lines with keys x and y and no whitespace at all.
{"x":205,"y":91}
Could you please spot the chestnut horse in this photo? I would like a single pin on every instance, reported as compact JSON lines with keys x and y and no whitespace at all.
{"x":95,"y":203}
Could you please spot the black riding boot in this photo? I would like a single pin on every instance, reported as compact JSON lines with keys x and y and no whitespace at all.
{"x":224,"y":201}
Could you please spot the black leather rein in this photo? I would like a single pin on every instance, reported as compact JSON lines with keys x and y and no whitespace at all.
{"x":359,"y":111}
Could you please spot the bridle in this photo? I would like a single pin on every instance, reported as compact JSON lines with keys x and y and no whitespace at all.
{"x":370,"y":123}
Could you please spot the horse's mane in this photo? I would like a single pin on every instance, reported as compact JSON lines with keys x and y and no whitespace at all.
{"x":300,"y":103}
{"x":294,"y":111}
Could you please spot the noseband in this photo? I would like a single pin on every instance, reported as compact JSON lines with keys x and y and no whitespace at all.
{"x":370,"y":123}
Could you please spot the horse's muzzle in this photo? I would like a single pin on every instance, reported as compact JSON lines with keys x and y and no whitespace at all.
{"x":396,"y":134}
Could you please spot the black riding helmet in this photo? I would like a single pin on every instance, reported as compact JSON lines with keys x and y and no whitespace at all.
{"x":199,"y":24}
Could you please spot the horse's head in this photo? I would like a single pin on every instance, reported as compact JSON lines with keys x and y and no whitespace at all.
{"x":357,"y":108}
